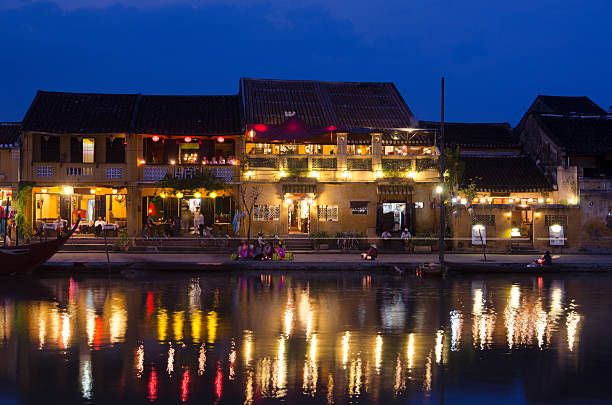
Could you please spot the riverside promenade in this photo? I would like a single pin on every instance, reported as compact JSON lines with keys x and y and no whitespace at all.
{"x":307,"y":261}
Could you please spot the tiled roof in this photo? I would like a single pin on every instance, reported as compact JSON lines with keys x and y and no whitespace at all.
{"x":504,"y":174}
{"x":322,"y":104}
{"x":476,"y":135}
{"x":566,"y":105}
{"x":80,"y":113}
{"x":188,"y":115}
{"x":580,"y":135}
{"x":9,"y":134}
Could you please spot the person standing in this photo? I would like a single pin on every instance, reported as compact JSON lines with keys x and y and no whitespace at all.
{"x":406,"y":238}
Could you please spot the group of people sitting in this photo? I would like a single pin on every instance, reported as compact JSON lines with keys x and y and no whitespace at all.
{"x":262,"y":250}
{"x":171,"y":227}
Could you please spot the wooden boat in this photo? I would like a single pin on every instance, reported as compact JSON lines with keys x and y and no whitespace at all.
{"x":493,"y":267}
{"x":431,"y":269}
{"x":24,"y":259}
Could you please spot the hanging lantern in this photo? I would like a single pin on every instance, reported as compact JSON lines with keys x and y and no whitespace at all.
{"x":220,"y":139}
{"x":187,"y":139}
{"x":155,"y":138}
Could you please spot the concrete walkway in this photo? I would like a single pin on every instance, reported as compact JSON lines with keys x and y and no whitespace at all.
{"x":207,"y":258}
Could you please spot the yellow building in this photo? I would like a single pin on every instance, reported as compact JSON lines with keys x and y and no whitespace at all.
{"x":9,"y":168}
{"x":76,"y":148}
{"x":326,"y":157}
{"x":100,"y":155}
{"x":336,"y":157}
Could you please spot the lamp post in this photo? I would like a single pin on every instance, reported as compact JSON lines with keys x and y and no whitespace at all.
{"x":441,"y":194}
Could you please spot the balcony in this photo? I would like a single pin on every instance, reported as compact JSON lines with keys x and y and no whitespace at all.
{"x":154,"y":173}
{"x":595,"y":184}
{"x":79,"y":172}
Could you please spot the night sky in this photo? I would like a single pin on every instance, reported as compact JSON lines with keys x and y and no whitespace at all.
{"x":496,"y":55}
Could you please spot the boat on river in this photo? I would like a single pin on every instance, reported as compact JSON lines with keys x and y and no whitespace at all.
{"x":24,"y":259}
{"x":492,"y":267}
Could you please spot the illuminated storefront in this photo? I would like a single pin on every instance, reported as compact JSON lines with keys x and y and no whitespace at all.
{"x":67,"y":203}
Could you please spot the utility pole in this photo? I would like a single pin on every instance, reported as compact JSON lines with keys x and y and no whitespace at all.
{"x":442,"y":194}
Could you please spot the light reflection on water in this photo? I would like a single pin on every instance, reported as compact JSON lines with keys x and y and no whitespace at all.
{"x":230,"y":339}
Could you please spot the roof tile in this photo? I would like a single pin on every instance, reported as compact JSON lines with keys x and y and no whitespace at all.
{"x":504,"y":174}
{"x":343,"y":104}
{"x":9,"y":134}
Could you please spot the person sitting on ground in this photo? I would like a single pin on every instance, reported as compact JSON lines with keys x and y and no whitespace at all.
{"x":257,"y":253}
{"x":260,"y":240}
{"x":371,"y":254}
{"x":547,"y":259}
{"x":280,"y":251}
{"x":243,"y":252}
{"x":268,"y":252}
{"x":99,"y":226}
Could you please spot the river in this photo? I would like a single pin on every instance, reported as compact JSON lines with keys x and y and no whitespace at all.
{"x":252,"y":338}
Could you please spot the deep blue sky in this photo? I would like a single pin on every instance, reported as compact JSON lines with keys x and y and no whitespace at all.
{"x":496,"y":55}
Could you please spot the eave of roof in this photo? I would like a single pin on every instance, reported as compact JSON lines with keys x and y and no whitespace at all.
{"x":10,"y":133}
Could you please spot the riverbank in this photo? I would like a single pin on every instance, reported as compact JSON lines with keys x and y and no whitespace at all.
{"x":96,"y":262}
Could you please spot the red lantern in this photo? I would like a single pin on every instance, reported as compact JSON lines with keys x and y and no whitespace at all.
{"x":155,"y":138}
{"x":187,"y":139}
{"x":220,"y":139}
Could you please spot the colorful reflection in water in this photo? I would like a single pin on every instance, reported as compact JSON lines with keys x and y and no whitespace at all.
{"x":336,"y":339}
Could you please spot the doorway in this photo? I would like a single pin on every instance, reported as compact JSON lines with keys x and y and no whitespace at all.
{"x":299,"y":215}
{"x":522,"y":224}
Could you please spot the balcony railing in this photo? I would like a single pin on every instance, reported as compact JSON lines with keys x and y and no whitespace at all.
{"x":70,"y":172}
{"x":359,"y":163}
{"x":595,"y":184}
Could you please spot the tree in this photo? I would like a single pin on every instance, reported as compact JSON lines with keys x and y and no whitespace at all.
{"x":249,"y":196}
{"x":204,"y":180}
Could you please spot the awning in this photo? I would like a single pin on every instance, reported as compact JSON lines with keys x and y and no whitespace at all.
{"x":293,"y":129}
{"x":359,"y":204}
{"x":299,"y":189}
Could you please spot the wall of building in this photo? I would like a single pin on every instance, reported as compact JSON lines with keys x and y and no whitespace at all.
{"x":499,"y":236}
{"x":595,"y":208}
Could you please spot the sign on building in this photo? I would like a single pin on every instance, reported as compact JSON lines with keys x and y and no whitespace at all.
{"x":556,"y":235}
{"x":479,"y":235}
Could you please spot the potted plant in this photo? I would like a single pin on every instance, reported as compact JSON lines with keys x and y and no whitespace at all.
{"x":123,"y":243}
{"x":320,"y":240}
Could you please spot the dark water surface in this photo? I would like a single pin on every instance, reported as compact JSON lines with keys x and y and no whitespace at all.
{"x":298,"y":338}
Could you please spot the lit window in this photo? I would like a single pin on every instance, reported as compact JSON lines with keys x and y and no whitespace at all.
{"x":88,"y":150}
{"x":266,"y":212}
{"x":328,"y":213}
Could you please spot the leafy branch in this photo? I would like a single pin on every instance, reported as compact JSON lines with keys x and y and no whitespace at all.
{"x":200,"y":181}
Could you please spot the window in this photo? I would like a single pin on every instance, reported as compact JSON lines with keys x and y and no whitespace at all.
{"x":358,"y":150}
{"x":115,"y":150}
{"x":88,"y":150}
{"x":224,"y":207}
{"x":266,"y":212}
{"x":49,"y":149}
{"x":82,"y":150}
{"x":487,"y":220}
{"x":359,"y":207}
{"x":555,"y":220}
{"x":328,"y":213}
